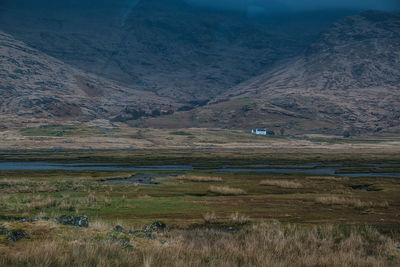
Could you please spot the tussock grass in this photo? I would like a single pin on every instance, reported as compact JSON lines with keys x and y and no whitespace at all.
{"x":193,"y":178}
{"x":37,"y":202}
{"x":238,"y":218}
{"x":226,"y":191}
{"x":328,"y":178}
{"x":40,"y":204}
{"x":13,"y":182}
{"x":14,"y":186}
{"x":341,"y":191}
{"x":267,"y":244}
{"x":281,"y":183}
{"x":352,"y":202}
{"x":235,"y":218}
{"x":209,"y":217}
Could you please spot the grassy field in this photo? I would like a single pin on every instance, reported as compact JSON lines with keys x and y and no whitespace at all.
{"x":97,"y":135}
{"x":214,"y":219}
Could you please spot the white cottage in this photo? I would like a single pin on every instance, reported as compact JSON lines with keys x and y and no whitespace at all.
{"x":259,"y":131}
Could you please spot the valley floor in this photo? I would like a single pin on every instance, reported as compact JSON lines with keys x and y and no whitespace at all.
{"x":213,"y":218}
{"x":100,"y":135}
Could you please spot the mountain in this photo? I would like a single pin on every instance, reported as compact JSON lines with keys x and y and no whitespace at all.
{"x":36,"y":85}
{"x":165,"y":46}
{"x":176,"y":65}
{"x":347,"y":80}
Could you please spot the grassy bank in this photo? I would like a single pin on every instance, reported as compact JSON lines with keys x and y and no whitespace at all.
{"x":266,"y":244}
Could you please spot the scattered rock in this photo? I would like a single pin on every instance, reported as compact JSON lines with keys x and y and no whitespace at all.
{"x":23,"y":219}
{"x":11,"y":218}
{"x":224,"y":230}
{"x":75,"y":220}
{"x":156,"y":227}
{"x":125,"y":242}
{"x":14,"y":235}
{"x":119,"y":229}
{"x":17,"y":235}
{"x":146,"y":233}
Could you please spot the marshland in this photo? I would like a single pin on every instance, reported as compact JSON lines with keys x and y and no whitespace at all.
{"x":245,"y":215}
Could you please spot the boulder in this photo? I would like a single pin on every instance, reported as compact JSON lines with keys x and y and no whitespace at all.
{"x":14,"y":235}
{"x":119,"y":229}
{"x":17,"y":235}
{"x":156,"y":227}
{"x":75,"y":220}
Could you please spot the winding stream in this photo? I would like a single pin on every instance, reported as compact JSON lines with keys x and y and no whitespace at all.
{"x":310,"y":168}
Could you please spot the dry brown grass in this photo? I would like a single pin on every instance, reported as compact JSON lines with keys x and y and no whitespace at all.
{"x":352,"y":202}
{"x":281,"y":183}
{"x":13,"y":182}
{"x":203,"y":179}
{"x":209,"y":217}
{"x":14,"y":186}
{"x":238,"y":218}
{"x":40,"y":204}
{"x":328,"y":178}
{"x":107,"y":202}
{"x":267,"y":244}
{"x":226,"y":191}
{"x":143,"y":196}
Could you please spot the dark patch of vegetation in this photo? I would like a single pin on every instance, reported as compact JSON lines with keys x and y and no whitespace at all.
{"x":181,"y":133}
{"x":62,"y":130}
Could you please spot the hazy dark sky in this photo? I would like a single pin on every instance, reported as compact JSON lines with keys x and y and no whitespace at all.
{"x":251,"y":6}
{"x":299,"y":5}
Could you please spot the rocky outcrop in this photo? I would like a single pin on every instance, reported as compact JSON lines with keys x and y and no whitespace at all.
{"x":75,"y":220}
{"x":157,"y":226}
{"x":14,"y":235}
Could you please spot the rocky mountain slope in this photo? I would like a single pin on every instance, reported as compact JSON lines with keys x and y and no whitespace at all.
{"x":347,"y":80}
{"x":164,"y":46}
{"x":36,"y":85}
